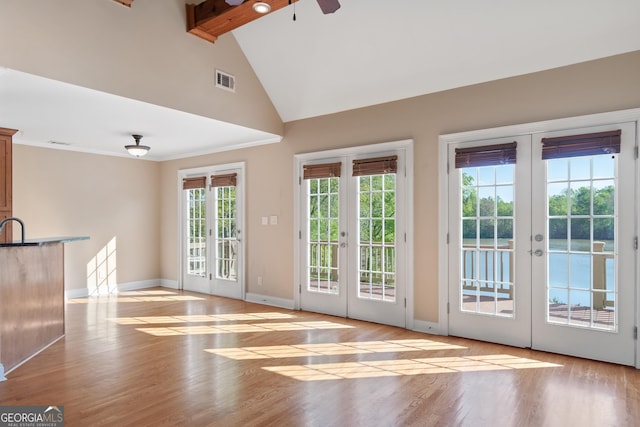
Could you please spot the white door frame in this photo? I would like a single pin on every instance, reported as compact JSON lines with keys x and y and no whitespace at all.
{"x":407,"y":263}
{"x":240,"y":204}
{"x":631,"y":115}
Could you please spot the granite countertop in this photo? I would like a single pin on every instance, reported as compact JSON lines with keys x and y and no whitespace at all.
{"x":44,"y":241}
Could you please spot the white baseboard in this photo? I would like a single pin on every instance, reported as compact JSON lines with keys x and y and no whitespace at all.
{"x":121,"y":287}
{"x":143,"y":284}
{"x":76,"y":293}
{"x":268,"y":300}
{"x":427,"y":327}
{"x":166,"y":283}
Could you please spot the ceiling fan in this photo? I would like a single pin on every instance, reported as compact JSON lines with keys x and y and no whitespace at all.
{"x":327,"y":6}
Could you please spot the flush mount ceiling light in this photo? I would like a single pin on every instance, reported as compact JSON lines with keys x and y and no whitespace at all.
{"x":137,"y":150}
{"x":262,"y":7}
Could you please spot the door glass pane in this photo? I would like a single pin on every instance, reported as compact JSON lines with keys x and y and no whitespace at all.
{"x":377,"y":239}
{"x":197,"y":231}
{"x":486,"y":253}
{"x":322,"y":227}
{"x":581,"y":277}
{"x":226,"y":233}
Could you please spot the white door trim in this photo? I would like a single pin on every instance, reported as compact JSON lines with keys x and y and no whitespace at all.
{"x":407,"y":264}
{"x":630,"y":115}
{"x":208,"y":170}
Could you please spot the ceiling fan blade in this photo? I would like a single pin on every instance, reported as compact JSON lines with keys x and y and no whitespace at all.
{"x":234,"y":2}
{"x":328,"y":6}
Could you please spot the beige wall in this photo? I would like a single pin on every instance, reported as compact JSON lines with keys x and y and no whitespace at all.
{"x":64,"y":193}
{"x":269,"y":178}
{"x":142,"y":53}
{"x":597,"y":86}
{"x":60,"y":192}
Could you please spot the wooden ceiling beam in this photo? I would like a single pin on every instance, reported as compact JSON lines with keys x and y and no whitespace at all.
{"x":124,"y":2}
{"x":212,"y":18}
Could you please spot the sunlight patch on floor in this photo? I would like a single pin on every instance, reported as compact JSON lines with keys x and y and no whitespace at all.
{"x":330,"y":349}
{"x":256,"y":327}
{"x":117,"y":298}
{"x":388,"y":368}
{"x":199,"y":318}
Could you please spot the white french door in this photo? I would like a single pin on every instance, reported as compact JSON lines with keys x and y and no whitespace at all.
{"x":490,"y":267}
{"x":212,"y":255}
{"x":541,"y":253}
{"x":352,"y":236}
{"x":583,"y":249}
{"x":323,"y":237}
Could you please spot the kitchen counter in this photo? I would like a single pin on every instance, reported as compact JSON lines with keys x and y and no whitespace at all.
{"x":31,"y":298}
{"x":43,"y":241}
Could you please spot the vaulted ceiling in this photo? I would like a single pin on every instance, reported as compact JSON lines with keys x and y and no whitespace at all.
{"x":375,"y":51}
{"x":366,"y":53}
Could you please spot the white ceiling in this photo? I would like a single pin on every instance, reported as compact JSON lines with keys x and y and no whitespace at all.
{"x":368,"y":52}
{"x":59,"y":115}
{"x":375,"y":51}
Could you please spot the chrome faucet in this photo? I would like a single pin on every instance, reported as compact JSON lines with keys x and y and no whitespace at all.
{"x":13,"y":218}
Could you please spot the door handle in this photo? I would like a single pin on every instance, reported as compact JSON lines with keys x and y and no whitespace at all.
{"x":538,"y":252}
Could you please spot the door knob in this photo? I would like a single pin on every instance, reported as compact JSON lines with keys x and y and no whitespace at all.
{"x":538,"y":252}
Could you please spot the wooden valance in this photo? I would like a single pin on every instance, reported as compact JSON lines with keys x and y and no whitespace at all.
{"x":486,"y":155}
{"x":193,"y":183}
{"x":589,"y":144}
{"x":325,"y":170}
{"x":224,"y":180}
{"x":375,"y":166}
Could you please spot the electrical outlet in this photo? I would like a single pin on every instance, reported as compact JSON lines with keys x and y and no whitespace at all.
{"x":259,"y":280}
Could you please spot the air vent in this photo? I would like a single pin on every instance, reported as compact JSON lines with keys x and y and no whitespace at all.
{"x":225,"y":81}
{"x":58,"y":143}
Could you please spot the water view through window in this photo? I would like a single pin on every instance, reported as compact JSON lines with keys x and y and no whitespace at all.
{"x":581,"y":282}
{"x":487,"y":277}
{"x":580,"y":241}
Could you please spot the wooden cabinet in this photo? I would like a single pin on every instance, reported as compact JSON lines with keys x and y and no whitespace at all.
{"x":6,"y":197}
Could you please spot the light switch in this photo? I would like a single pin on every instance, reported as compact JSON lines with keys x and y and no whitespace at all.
{"x":273,"y":220}
{"x":265,"y":220}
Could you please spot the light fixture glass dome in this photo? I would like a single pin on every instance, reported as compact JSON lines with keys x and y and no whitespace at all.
{"x":262,"y":7}
{"x":136,"y":149}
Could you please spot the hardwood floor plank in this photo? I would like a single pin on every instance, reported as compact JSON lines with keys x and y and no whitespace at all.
{"x":170,"y":358}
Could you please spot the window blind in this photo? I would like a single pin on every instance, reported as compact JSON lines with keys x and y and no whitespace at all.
{"x":375,"y":166}
{"x":588,"y":144}
{"x":486,"y":155}
{"x":224,"y":180}
{"x":193,"y":183}
{"x":325,"y":170}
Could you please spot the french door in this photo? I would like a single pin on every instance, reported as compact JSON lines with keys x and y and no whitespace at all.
{"x":584,"y":263}
{"x":352,"y":236}
{"x":490,"y":267}
{"x":212,"y":256}
{"x":542,"y":253}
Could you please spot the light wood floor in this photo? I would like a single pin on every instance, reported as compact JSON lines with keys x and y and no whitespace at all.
{"x":162,"y":357}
